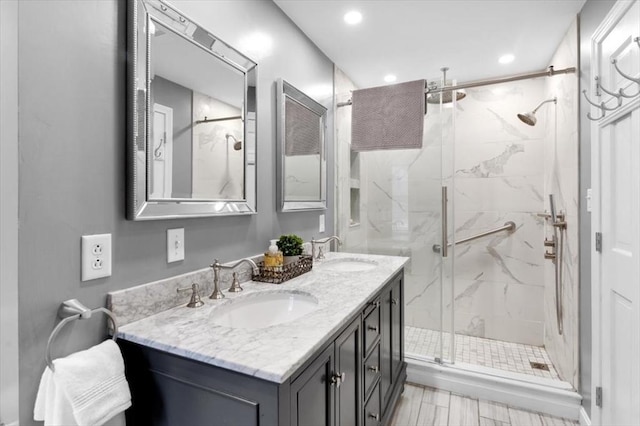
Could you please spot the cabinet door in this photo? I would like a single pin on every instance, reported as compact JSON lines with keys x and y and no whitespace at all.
{"x":397,"y":328}
{"x":348,"y":358}
{"x":312,"y":395}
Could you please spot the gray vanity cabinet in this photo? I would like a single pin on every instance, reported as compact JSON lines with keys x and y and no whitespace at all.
{"x":392,"y":367}
{"x":355,"y":379}
{"x":312,"y":395}
{"x":327,"y":392}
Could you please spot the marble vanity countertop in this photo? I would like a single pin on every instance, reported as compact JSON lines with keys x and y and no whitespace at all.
{"x":273,"y":353}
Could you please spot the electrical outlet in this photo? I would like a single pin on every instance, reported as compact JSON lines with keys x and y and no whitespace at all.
{"x":321,"y":225}
{"x":175,"y":245}
{"x":96,"y":256}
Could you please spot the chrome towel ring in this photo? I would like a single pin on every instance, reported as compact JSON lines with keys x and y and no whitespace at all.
{"x":71,"y":310}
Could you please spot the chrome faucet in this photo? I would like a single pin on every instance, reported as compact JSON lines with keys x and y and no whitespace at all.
{"x":320,"y":255}
{"x":195,"y":301}
{"x":235,"y":285}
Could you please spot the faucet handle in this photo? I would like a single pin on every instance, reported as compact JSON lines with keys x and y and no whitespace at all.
{"x":195,"y":301}
{"x":235,"y":284}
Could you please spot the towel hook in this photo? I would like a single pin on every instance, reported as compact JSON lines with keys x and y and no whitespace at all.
{"x":628,"y":77}
{"x":71,"y":310}
{"x":618,"y":95}
{"x":601,"y":107}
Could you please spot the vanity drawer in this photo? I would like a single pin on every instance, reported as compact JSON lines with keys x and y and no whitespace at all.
{"x":371,"y":329}
{"x":372,"y":413}
{"x":371,"y":370}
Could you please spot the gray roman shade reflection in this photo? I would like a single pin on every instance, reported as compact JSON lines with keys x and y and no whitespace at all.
{"x":302,"y":128}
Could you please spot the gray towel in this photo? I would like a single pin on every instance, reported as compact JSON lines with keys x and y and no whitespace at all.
{"x":388,"y":117}
{"x":302,"y":129}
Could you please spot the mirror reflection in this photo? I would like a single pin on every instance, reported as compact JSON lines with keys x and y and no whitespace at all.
{"x":196,"y":140}
{"x":302,"y":156}
{"x":194,"y":116}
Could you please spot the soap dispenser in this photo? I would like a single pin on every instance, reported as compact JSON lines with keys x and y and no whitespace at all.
{"x":273,"y":257}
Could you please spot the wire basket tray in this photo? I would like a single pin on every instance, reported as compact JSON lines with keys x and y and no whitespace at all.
{"x":280,"y":274}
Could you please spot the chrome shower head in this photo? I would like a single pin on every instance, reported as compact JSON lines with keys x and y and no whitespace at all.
{"x":445,"y":95}
{"x":530,"y":117}
{"x":447,"y":98}
{"x":237,"y":145}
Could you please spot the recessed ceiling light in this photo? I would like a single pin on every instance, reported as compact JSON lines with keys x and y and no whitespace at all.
{"x":352,"y":18}
{"x":390,"y":78}
{"x":506,"y":59}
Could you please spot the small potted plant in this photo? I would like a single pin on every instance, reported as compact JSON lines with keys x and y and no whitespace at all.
{"x":291,"y":247}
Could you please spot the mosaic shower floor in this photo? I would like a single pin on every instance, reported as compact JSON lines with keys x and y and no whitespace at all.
{"x":513,"y":357}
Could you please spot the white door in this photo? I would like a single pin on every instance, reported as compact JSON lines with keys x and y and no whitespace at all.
{"x":620,"y":269}
{"x":616,"y":182}
{"x":162,"y":152}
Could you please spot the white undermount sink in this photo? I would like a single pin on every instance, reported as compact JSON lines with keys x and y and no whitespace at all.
{"x":264,"y":309}
{"x":348,"y":265}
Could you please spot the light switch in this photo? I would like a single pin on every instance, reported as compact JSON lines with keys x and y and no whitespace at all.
{"x":589,"y":202}
{"x":175,"y":245}
{"x":321,"y":227}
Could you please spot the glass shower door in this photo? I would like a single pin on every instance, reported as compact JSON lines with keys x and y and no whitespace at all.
{"x":391,"y":202}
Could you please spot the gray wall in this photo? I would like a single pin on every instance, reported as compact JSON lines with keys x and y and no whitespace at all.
{"x":180,"y":99}
{"x":71,"y":59}
{"x":591,"y":16}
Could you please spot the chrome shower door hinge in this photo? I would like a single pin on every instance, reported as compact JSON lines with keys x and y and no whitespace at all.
{"x":599,"y":242}
{"x":599,"y":396}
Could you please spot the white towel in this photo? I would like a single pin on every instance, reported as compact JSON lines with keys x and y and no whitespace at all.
{"x":87,"y":388}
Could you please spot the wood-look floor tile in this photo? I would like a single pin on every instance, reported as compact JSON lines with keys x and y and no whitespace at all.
{"x":433,"y":415}
{"x":408,"y":408}
{"x":556,"y":421}
{"x":524,"y":418}
{"x":494,"y":410}
{"x":463,"y":411}
{"x":436,"y":397}
{"x":491,"y":422}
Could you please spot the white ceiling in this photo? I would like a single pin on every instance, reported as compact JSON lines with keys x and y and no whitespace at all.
{"x":413,"y":39}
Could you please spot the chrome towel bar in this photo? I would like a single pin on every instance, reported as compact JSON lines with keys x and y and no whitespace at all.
{"x":71,"y":310}
{"x":508,"y":226}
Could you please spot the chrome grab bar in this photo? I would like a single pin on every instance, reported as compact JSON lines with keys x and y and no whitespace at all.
{"x":508,"y":226}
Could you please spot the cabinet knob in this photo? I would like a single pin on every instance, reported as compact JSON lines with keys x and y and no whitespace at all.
{"x":375,"y":304}
{"x":372,"y":328}
{"x":375,"y":417}
{"x":394,"y":301}
{"x":338,"y":378}
{"x":373,"y":368}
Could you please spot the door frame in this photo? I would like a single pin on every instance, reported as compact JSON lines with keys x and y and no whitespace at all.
{"x":609,"y":23}
{"x":9,"y":215}
{"x":168,"y":148}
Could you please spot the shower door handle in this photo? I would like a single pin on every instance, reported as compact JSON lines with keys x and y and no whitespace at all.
{"x":445,"y":214}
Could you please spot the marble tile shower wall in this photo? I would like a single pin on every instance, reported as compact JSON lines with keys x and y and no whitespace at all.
{"x":354,"y":236}
{"x":499,"y":177}
{"x":561,"y":179}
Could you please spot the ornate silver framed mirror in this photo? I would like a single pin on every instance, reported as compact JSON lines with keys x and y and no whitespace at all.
{"x":302,"y":152}
{"x":192,"y":119}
